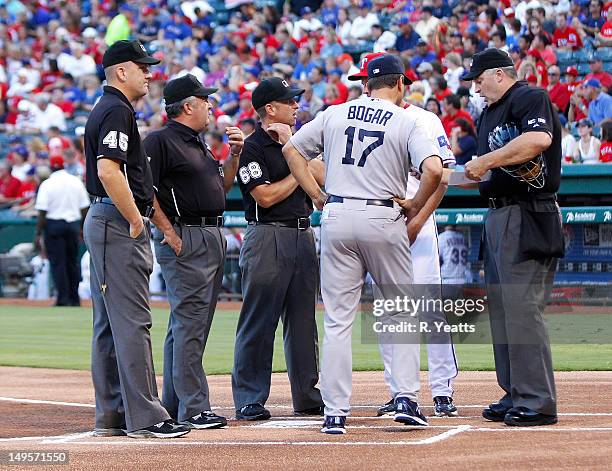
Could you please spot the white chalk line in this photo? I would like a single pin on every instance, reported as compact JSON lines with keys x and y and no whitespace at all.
{"x":280,"y":406}
{"x":38,"y":401}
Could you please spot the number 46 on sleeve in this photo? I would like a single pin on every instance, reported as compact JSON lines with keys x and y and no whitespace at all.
{"x":111,"y":140}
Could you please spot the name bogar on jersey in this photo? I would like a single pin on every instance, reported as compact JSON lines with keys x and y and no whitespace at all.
{"x":438,"y":135}
{"x":369,"y":146}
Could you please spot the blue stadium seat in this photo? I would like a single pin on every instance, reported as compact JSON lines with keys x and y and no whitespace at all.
{"x":583,"y":69}
{"x":604,"y":53}
{"x":564,"y":57}
{"x":581,"y":55}
{"x":608,"y":67}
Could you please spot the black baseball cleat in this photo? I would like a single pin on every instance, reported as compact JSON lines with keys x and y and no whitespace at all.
{"x":525,"y":417}
{"x":334,"y":425}
{"x":386,"y":409}
{"x":206,"y":419}
{"x":316,"y":411}
{"x":109,"y":432}
{"x":166,"y":429}
{"x":443,"y":406}
{"x":253,"y":412}
{"x":407,"y":412}
{"x":495,"y":412}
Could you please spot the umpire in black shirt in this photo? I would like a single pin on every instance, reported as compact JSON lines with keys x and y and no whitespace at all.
{"x":519,"y":140}
{"x":116,"y":232}
{"x":190,"y":187}
{"x":278,"y":262}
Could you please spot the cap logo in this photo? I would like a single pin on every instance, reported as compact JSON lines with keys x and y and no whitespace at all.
{"x":284,"y":82}
{"x":143,"y":48}
{"x":376,"y":71}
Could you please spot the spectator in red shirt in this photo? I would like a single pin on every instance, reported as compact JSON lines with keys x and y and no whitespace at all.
{"x":219,"y":149}
{"x":439,"y":88}
{"x":579,"y":106}
{"x":9,"y":185}
{"x":571,"y":79}
{"x":557,"y":90}
{"x":453,"y":111}
{"x":604,"y":37}
{"x":598,"y":73}
{"x":605,"y":151}
{"x":534,"y":56}
{"x":566,"y":37}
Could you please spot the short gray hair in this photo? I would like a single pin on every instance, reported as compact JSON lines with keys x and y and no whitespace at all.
{"x":174,"y":110}
{"x":509,"y":70}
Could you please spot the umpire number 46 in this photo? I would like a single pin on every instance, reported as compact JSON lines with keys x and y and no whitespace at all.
{"x":363,"y":133}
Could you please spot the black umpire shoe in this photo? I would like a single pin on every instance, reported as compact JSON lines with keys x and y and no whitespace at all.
{"x":253,"y":412}
{"x":386,"y":409}
{"x":525,"y":417}
{"x":407,"y":412}
{"x":495,"y":412}
{"x":206,"y":419}
{"x":166,"y":429}
{"x":317,"y":411}
{"x":109,"y":432}
{"x":443,"y":405}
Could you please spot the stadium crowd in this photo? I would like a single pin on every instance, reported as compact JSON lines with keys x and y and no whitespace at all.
{"x":51,"y":51}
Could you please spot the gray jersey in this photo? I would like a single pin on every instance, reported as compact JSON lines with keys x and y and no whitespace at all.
{"x":369,"y":146}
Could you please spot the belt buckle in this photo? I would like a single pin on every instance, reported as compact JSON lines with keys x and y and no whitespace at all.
{"x":300,"y":220}
{"x":219,"y":221}
{"x":492,"y":203}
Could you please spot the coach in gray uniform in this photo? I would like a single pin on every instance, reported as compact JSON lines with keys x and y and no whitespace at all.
{"x":369,"y":146}
{"x":117,"y":235}
{"x":519,"y":140}
{"x":278,"y":262}
{"x":190,"y":187}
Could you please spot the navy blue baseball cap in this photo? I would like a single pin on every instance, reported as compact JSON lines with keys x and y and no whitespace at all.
{"x":387,"y":65}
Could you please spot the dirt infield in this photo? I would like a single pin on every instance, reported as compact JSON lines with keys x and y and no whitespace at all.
{"x":52,"y":410}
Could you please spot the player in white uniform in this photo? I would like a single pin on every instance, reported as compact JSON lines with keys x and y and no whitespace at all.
{"x":442,"y":362}
{"x":453,"y":256}
{"x":369,"y":147}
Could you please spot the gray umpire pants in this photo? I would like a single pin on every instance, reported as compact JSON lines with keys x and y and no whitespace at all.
{"x":193,"y":281}
{"x":121,"y":360}
{"x":357,"y":238}
{"x":279,"y":280}
{"x":517,"y":292}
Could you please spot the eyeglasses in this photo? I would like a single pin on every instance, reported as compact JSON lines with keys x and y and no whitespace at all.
{"x":552,"y":74}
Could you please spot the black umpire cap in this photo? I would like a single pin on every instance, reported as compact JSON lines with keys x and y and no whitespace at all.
{"x":273,"y":89}
{"x":184,"y":87}
{"x":127,"y":51}
{"x":387,"y":65}
{"x":491,"y":58}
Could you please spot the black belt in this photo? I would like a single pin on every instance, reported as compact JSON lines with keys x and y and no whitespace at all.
{"x":340,"y":199}
{"x":211,"y":221}
{"x":300,"y":223}
{"x":501,"y":201}
{"x":145,"y":211}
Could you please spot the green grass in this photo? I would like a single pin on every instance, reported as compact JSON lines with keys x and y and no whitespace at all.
{"x":60,"y":338}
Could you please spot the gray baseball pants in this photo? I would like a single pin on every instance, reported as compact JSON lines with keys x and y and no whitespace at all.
{"x":517,"y":292}
{"x":121,"y":361}
{"x":357,"y":238}
{"x":193,"y":282}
